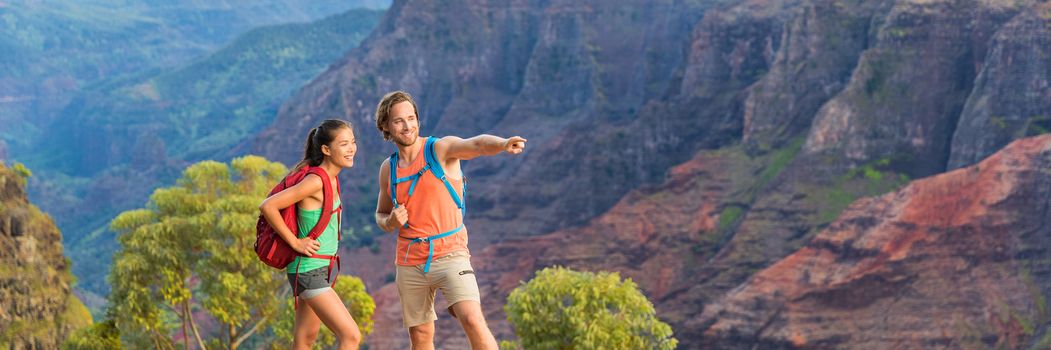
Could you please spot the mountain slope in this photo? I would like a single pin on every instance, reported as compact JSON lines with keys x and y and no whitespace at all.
{"x":545,"y":70}
{"x":957,"y":260}
{"x":53,"y":49}
{"x":202,"y":109}
{"x":809,"y":105}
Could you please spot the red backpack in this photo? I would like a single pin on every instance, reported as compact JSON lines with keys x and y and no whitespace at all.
{"x":271,"y":248}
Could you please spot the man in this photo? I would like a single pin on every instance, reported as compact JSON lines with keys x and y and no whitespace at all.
{"x":427,"y":211}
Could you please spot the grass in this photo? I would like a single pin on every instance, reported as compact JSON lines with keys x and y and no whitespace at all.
{"x":1037,"y":125}
{"x":869,"y":179}
{"x":836,"y":200}
{"x":729,"y":216}
{"x":750,"y":176}
{"x":76,"y":314}
{"x":778,"y":160}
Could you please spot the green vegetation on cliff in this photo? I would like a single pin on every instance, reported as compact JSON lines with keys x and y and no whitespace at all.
{"x":35,"y":278}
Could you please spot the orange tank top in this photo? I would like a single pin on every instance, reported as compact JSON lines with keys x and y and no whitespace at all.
{"x":431,"y":211}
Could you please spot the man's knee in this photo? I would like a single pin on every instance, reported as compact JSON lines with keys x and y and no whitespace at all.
{"x":472,"y":319}
{"x":423,"y":332}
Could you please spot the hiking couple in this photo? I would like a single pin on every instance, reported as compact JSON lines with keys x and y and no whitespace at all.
{"x":421,"y":199}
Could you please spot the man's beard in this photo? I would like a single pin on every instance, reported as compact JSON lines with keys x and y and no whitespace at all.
{"x":403,"y":144}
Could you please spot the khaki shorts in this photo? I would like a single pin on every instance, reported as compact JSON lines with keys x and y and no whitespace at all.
{"x":451,"y":273}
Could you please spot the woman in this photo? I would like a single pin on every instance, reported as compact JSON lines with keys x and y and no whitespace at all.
{"x":330,"y":146}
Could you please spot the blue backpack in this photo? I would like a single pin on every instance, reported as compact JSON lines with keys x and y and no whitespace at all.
{"x":435,"y":168}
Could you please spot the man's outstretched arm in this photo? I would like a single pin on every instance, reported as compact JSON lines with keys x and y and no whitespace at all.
{"x":452,"y":147}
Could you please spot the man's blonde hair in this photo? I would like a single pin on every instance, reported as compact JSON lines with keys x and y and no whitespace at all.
{"x":383,"y":109}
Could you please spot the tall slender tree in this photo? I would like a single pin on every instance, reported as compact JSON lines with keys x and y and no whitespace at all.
{"x":188,"y":256}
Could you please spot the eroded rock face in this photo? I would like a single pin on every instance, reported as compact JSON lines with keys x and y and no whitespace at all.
{"x":37,"y":307}
{"x":905,"y":97}
{"x":644,"y":237}
{"x":1012,"y":94}
{"x":658,"y":237}
{"x":703,"y":145}
{"x":626,"y":130}
{"x":819,"y":50}
{"x":957,"y":260}
{"x":573,"y":77}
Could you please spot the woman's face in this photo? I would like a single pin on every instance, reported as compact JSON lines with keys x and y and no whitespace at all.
{"x":342,"y":149}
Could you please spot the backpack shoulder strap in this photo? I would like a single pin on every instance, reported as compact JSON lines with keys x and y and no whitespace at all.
{"x":326,"y":202}
{"x":438,"y":171}
{"x":432,"y":159}
{"x":392,"y":166}
{"x":290,"y":180}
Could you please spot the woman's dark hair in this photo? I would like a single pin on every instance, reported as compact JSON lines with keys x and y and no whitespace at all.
{"x":319,"y":136}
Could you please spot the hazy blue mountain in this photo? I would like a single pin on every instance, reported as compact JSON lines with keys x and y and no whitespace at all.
{"x":49,"y":50}
{"x":150,"y":123}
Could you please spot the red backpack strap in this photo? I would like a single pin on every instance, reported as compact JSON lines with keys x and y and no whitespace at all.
{"x":326,"y":202}
{"x":339,"y":216}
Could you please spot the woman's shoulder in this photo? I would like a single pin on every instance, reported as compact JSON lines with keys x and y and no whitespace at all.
{"x":311,"y":182}
{"x":312,"y":179}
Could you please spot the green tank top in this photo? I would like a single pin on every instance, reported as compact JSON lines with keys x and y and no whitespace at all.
{"x":329,"y":238}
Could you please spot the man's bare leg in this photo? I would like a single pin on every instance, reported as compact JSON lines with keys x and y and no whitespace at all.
{"x":470,"y":315}
{"x":422,"y":336}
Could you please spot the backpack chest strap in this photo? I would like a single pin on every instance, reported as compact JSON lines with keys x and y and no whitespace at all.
{"x":432,"y":166}
{"x":414,"y":178}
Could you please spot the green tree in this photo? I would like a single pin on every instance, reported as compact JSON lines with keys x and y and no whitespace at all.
{"x":565,"y":309}
{"x":23,"y":173}
{"x":352,"y":291}
{"x":99,"y":336}
{"x":189,"y":253}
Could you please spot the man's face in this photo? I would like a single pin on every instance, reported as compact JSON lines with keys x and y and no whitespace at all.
{"x":403,"y":125}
